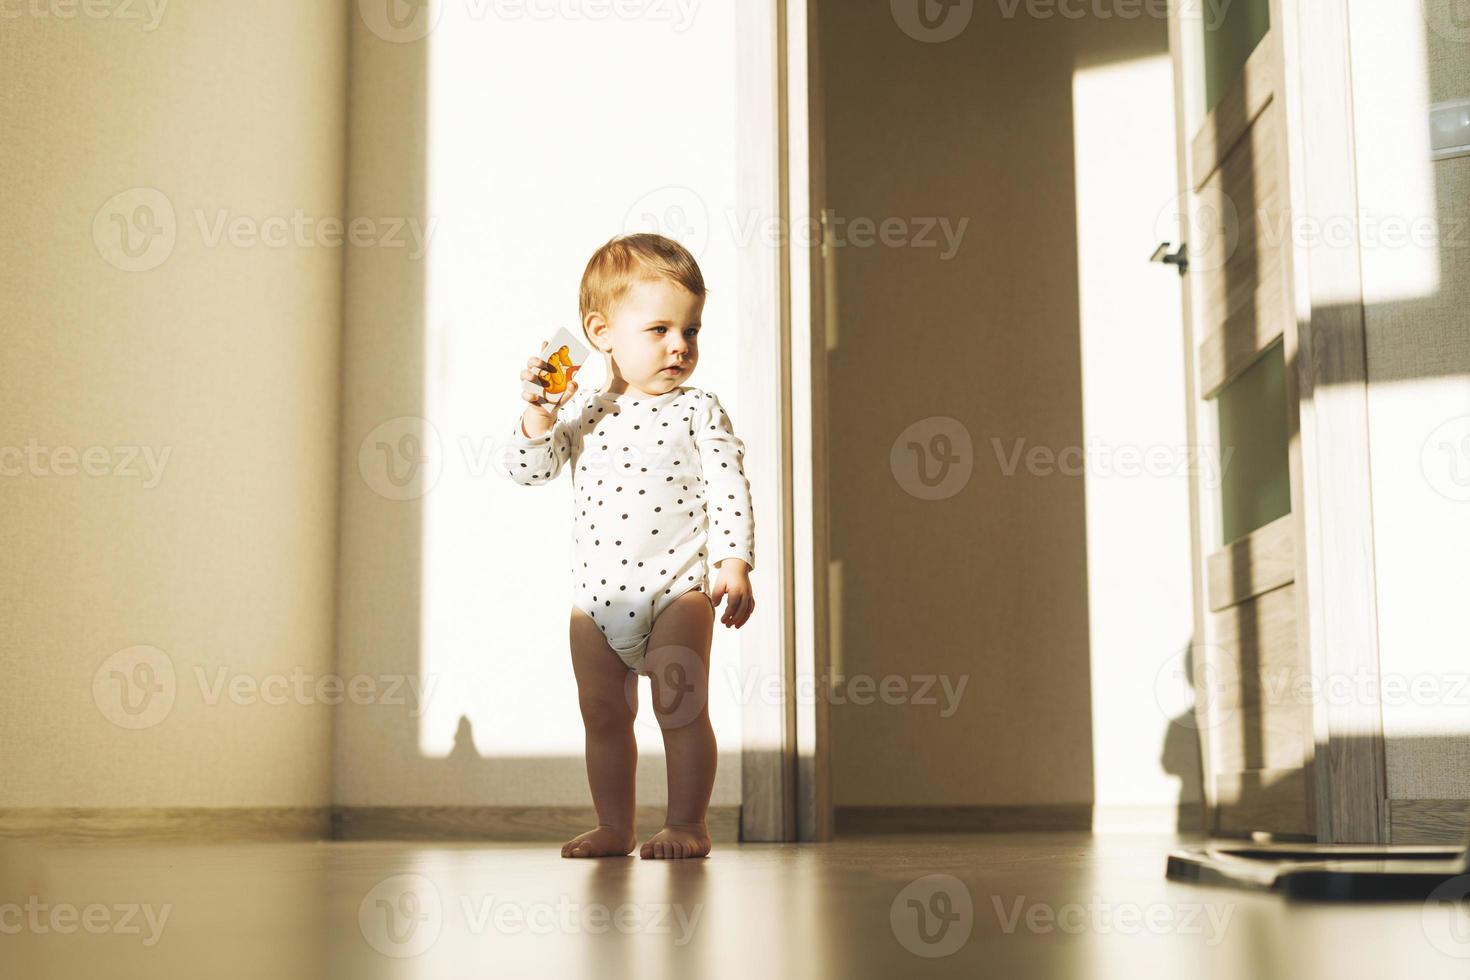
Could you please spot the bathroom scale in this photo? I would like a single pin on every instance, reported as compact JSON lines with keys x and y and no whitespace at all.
{"x":1328,"y":872}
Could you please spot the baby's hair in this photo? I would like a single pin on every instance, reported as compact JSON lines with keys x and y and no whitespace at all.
{"x":624,"y":260}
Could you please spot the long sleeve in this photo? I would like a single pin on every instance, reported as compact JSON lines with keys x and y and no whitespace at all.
{"x":531,"y":462}
{"x":727,"y":491}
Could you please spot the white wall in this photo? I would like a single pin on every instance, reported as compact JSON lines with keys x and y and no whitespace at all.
{"x":1418,"y":332}
{"x":544,"y":139}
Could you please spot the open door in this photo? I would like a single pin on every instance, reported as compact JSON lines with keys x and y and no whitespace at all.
{"x":1249,"y":649}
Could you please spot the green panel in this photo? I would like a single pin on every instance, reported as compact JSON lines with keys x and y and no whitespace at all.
{"x":1232,"y":29}
{"x":1255,"y":486}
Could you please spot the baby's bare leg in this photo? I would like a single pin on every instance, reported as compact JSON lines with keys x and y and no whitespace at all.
{"x":678,"y":666}
{"x":609,"y":705}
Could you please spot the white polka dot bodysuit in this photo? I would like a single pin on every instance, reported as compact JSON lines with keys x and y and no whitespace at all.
{"x":659,"y":498}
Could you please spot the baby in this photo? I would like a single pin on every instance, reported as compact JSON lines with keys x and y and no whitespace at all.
{"x":659,"y":499}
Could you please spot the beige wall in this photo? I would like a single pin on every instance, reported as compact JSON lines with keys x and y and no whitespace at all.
{"x":1418,"y":334}
{"x":223,"y":356}
{"x":992,"y":583}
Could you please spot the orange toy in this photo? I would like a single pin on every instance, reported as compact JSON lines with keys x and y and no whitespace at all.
{"x":561,"y":377}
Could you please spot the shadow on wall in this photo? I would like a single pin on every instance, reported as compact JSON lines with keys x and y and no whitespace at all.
{"x":1180,"y":757}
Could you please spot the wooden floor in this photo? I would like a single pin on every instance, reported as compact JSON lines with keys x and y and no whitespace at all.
{"x":1002,"y":905}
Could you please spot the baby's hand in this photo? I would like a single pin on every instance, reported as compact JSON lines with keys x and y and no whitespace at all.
{"x":734,"y":585}
{"x":541,"y":412}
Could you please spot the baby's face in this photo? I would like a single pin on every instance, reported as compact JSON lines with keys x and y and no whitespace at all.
{"x":655,"y":327}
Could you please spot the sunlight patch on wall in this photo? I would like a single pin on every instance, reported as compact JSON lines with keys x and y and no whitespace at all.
{"x":1136,"y":457}
{"x":547,"y":137}
{"x":1399,"y":225}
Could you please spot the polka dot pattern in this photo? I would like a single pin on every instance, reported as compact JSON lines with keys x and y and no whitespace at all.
{"x":659,"y":496}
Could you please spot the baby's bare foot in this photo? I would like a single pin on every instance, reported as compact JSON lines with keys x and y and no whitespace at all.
{"x":677,"y":841}
{"x":601,"y":842}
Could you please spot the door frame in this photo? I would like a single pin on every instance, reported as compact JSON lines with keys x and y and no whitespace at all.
{"x":1348,"y":776}
{"x":785,"y":781}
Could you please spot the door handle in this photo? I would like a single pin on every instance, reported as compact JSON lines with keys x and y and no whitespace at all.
{"x":1179,"y":258}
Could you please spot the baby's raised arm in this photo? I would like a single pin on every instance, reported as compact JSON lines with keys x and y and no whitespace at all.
{"x":541,"y":441}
